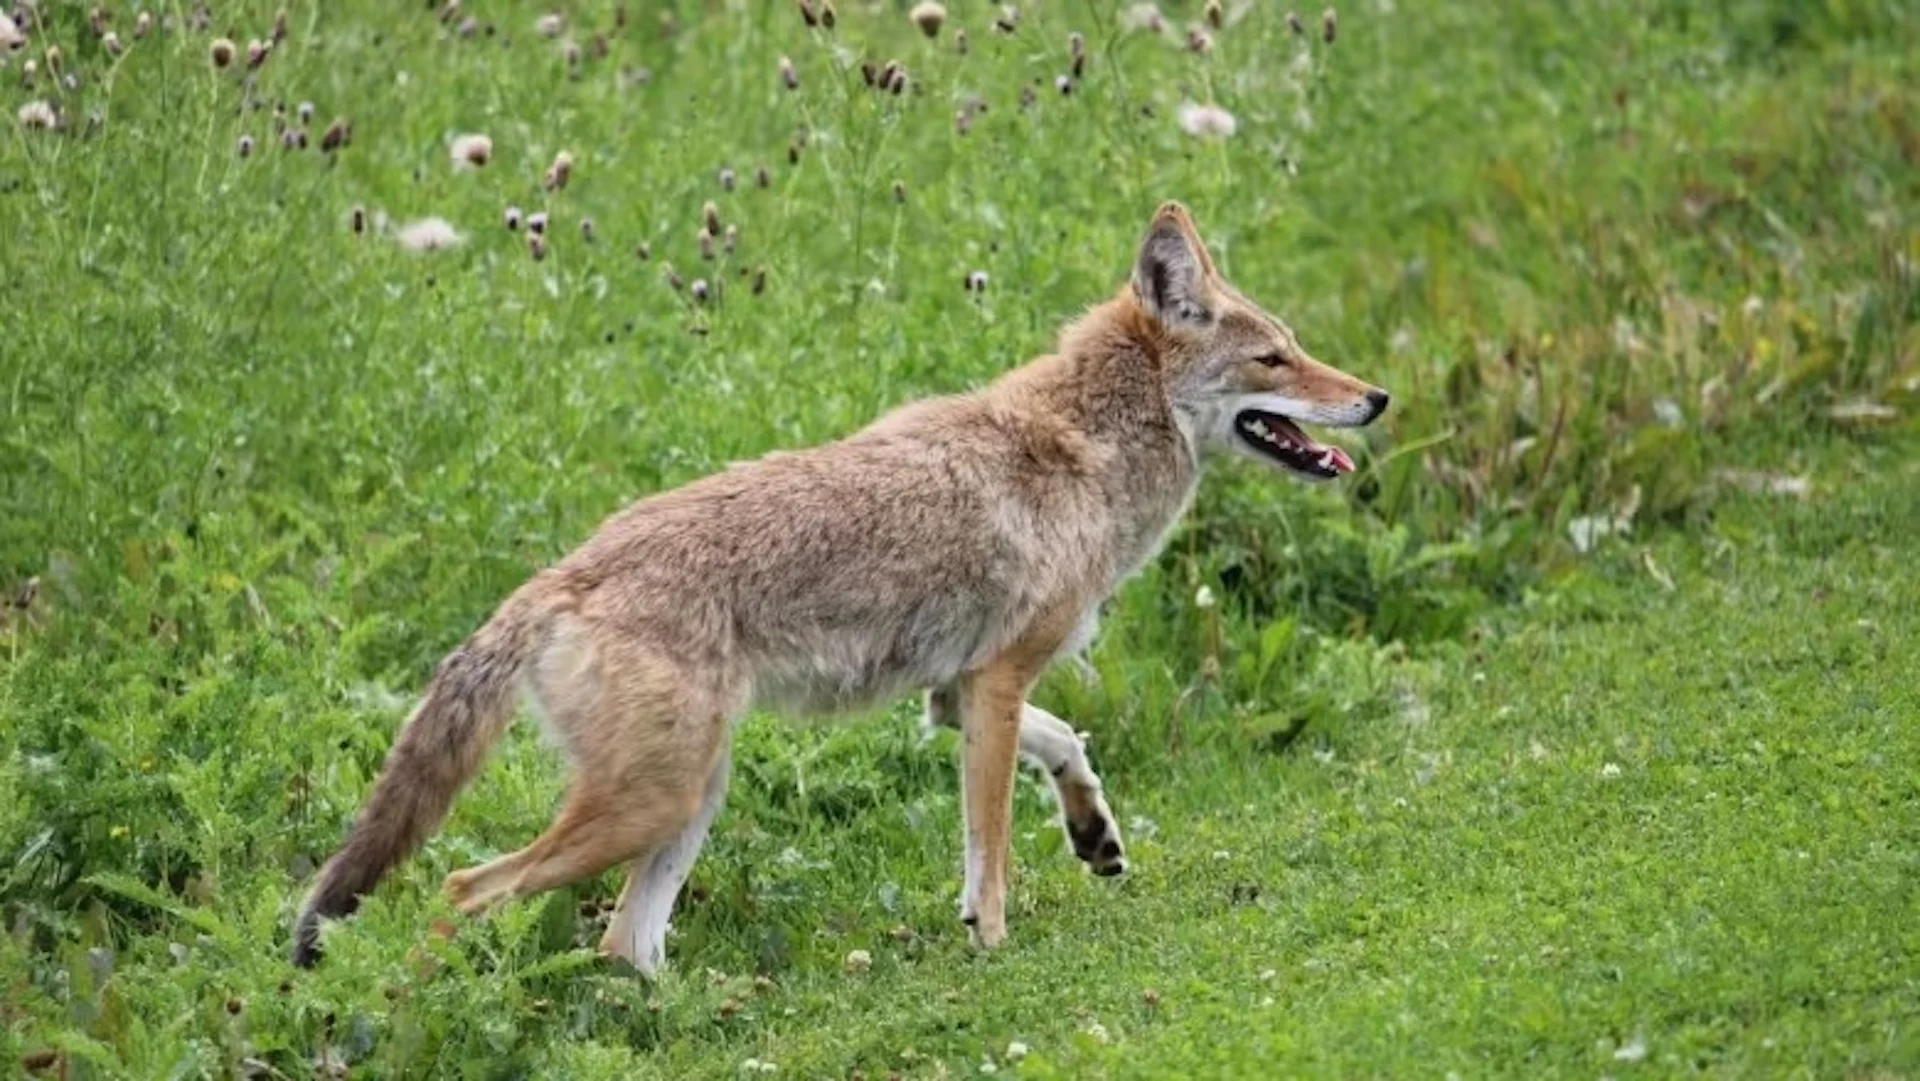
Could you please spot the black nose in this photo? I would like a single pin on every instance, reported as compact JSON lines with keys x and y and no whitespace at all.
{"x":1378,"y":399}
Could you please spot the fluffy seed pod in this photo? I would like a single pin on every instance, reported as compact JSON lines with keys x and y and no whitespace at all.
{"x":807,"y":14}
{"x":246,"y":146}
{"x":1216,"y":15}
{"x":559,"y":172}
{"x":828,"y":16}
{"x":110,"y":41}
{"x":537,"y":222}
{"x":730,"y":239}
{"x":762,"y":178}
{"x":788,"y":75}
{"x":759,"y":280}
{"x":1296,"y":24}
{"x":929,"y":17}
{"x":1063,"y":84}
{"x":706,"y":245}
{"x":899,"y":191}
{"x":257,"y":52}
{"x":699,"y":290}
{"x":643,"y":251}
{"x":142,"y":25}
{"x":726,"y":180}
{"x":1008,"y":20}
{"x":710,"y":217}
{"x":1199,"y":41}
{"x":537,"y":246}
{"x":512,"y":219}
{"x":1329,"y":25}
{"x":960,"y":42}
{"x":977,"y":282}
{"x":586,"y":230}
{"x":280,"y":26}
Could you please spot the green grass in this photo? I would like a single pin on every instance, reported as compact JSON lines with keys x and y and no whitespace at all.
{"x":267,"y":472}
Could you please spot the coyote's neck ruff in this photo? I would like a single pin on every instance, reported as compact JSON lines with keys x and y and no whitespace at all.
{"x":955,"y":546}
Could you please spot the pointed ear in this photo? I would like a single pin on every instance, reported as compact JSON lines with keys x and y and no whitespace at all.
{"x":1170,"y":274}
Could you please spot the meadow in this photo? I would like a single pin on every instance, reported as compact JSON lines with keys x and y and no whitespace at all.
{"x":1573,"y":735}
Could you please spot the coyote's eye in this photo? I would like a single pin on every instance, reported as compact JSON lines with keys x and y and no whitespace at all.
{"x":1272,"y":360}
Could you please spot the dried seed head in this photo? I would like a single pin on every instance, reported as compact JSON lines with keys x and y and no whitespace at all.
{"x":899,"y":191}
{"x":710,"y":215}
{"x":305,"y":112}
{"x":673,"y":277}
{"x":449,"y":11}
{"x":537,"y":246}
{"x":962,"y":122}
{"x":571,"y":52}
{"x":828,"y":16}
{"x":559,"y":172}
{"x":97,"y":20}
{"x":1076,"y":45}
{"x":537,"y":222}
{"x":869,"y":74}
{"x":338,"y":134}
{"x":762,"y":178}
{"x":246,"y":146}
{"x":1199,"y":41}
{"x":1215,"y":14}
{"x":643,"y":251}
{"x":1008,"y":20}
{"x":793,"y":153}
{"x":898,"y":84}
{"x":550,"y":25}
{"x":142,"y":24}
{"x":888,"y":74}
{"x":807,"y":14}
{"x":960,"y":42}
{"x":357,"y":220}
{"x":1150,"y":997}
{"x":699,"y":291}
{"x":512,"y":218}
{"x":1027,"y":97}
{"x":1329,"y":25}
{"x":706,"y":245}
{"x":726,"y":179}
{"x":280,"y":26}
{"x":1063,"y":84}
{"x":70,"y":81}
{"x":293,"y":139}
{"x":977,"y":282}
{"x":38,"y":116}
{"x":26,"y":73}
{"x":586,"y":230}
{"x":731,"y":239}
{"x":619,"y":16}
{"x":428,"y":234}
{"x":110,"y":41}
{"x":759,"y":280}
{"x":257,"y":52}
{"x":788,"y":75}
{"x":55,"y":58}
{"x":471,"y":151}
{"x":929,"y":17}
{"x":468,"y":27}
{"x":1206,"y":120}
{"x":1296,"y":24}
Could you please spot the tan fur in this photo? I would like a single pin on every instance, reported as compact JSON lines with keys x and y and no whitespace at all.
{"x":957,"y":545}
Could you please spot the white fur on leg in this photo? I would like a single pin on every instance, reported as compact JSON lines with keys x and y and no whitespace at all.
{"x":1052,"y":744}
{"x":640,"y":924}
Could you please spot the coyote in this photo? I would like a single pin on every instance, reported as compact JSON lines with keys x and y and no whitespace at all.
{"x":954,"y":547}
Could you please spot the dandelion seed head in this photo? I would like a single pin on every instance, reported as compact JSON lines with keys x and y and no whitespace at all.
{"x":428,"y":234}
{"x":471,"y":151}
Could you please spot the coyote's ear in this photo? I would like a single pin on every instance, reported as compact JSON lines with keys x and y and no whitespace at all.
{"x":1170,"y":274}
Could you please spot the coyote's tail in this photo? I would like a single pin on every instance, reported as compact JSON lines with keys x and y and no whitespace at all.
{"x":467,"y":706}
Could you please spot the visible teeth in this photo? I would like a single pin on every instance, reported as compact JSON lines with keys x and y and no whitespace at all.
{"x":1259,"y":428}
{"x":1326,"y":460}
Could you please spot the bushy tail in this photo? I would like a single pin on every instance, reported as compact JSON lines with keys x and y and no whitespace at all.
{"x":467,"y":706}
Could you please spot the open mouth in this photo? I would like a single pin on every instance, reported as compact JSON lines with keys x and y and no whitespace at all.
{"x":1281,"y":439}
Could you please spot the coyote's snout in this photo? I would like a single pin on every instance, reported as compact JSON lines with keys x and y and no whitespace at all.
{"x":955,"y":547}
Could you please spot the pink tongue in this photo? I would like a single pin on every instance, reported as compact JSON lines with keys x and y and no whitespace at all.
{"x":1339,"y":460}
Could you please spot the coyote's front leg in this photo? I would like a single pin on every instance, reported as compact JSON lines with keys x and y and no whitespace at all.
{"x":1051,"y":743}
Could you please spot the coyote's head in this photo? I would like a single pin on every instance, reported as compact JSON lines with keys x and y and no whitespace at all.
{"x":1237,"y":376}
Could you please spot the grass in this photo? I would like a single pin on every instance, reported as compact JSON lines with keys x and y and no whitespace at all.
{"x":1428,"y":790}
